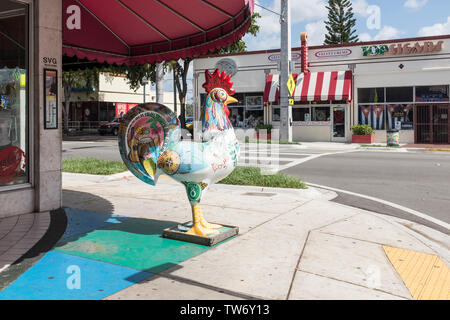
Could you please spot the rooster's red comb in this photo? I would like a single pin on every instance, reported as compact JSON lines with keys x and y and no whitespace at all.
{"x":218,"y":80}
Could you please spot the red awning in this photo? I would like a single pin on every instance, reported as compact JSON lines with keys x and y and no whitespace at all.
{"x":144,"y":31}
{"x":313,"y":86}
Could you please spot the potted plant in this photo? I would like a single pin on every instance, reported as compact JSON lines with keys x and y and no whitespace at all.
{"x":266,"y":130}
{"x":363,"y":133}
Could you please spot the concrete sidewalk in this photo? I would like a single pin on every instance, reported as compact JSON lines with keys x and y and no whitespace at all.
{"x":292,"y":244}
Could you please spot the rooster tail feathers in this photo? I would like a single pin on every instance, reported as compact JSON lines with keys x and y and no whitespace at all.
{"x":145,"y":132}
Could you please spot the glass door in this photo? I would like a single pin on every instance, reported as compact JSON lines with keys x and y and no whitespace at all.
{"x":339,"y":123}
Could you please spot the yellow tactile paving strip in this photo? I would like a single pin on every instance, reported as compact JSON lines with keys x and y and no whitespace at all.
{"x":426,"y":276}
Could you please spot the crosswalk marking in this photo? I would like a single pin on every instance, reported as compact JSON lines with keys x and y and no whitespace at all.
{"x":276,"y":158}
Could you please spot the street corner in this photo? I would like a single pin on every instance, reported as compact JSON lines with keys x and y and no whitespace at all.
{"x":94,"y":256}
{"x":426,"y":276}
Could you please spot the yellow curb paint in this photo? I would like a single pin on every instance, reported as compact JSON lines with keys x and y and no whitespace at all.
{"x":437,"y":150}
{"x":426,"y":276}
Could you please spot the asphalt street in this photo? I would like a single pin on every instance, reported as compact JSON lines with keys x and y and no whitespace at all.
{"x":420,"y":181}
{"x":416,"y":180}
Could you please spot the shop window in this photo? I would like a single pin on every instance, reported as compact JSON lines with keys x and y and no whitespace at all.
{"x":400,"y":117}
{"x":301,"y":114}
{"x":371,"y":95}
{"x":372,"y":116}
{"x":432,"y":94}
{"x":236,"y":116}
{"x":399,"y":94}
{"x":14,"y":78}
{"x":276,"y":114}
{"x":320,"y":113}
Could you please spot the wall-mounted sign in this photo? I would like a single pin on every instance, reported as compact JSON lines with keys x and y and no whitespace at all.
{"x":50,"y":99}
{"x":295,"y":56}
{"x":228,"y":65}
{"x":254,"y":103}
{"x":50,"y":61}
{"x":403,"y":48}
{"x":333,"y":53}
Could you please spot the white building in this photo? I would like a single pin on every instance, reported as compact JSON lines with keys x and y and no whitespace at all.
{"x":113,"y":97}
{"x":401,"y":84}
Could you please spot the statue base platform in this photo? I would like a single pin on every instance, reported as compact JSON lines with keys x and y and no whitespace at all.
{"x":179,"y":233}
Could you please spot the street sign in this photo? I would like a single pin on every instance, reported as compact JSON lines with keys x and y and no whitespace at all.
{"x":291,"y":85}
{"x":291,"y":101}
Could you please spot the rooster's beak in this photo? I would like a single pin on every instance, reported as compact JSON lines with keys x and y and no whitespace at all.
{"x":230,"y":99}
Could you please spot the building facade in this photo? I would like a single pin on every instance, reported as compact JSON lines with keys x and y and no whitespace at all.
{"x":112,"y":99}
{"x":397,"y":84}
{"x":30,"y":92}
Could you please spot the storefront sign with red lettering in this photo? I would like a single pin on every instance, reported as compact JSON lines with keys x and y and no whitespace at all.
{"x":295,"y":56}
{"x":12,"y":164}
{"x":333,"y":53}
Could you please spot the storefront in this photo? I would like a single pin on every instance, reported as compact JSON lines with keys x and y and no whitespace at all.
{"x":30,"y":79}
{"x":111,"y":99}
{"x":396,"y":84}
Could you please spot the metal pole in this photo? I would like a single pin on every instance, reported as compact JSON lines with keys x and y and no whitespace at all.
{"x":174,"y":92}
{"x":285,"y":59}
{"x":143,"y":84}
{"x":160,"y":82}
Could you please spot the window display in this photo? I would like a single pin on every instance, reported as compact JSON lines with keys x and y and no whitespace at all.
{"x":320,"y":114}
{"x":372,"y":116}
{"x":432,"y":94}
{"x":13,"y":93}
{"x":400,"y":117}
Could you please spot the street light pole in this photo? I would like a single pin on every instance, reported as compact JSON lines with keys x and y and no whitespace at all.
{"x":160,"y":82}
{"x":144,"y":83}
{"x":285,"y":62}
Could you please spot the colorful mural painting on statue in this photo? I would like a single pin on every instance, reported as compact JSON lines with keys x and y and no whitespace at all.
{"x":150,"y":145}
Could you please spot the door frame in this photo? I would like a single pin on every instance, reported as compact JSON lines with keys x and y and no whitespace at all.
{"x":346,"y":111}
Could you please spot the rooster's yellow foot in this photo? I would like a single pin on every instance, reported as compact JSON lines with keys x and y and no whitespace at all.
{"x":200,"y":230}
{"x":208,"y":225}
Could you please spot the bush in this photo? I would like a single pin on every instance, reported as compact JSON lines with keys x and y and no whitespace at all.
{"x":362,"y":129}
{"x":267,"y":127}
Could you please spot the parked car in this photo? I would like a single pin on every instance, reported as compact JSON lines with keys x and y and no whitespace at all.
{"x":109,"y":127}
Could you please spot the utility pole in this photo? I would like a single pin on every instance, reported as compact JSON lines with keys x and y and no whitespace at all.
{"x":285,"y":70}
{"x":174,"y":92}
{"x":160,"y":82}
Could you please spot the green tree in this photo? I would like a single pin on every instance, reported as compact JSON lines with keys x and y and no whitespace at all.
{"x":340,"y":24}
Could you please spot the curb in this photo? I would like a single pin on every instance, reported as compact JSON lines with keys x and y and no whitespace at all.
{"x":436,"y":150}
{"x":394,"y":205}
{"x":383,"y":149}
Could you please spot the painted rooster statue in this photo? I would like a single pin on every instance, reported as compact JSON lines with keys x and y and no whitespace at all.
{"x":150,"y":145}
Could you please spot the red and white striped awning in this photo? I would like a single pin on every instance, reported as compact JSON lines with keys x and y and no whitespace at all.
{"x":313,"y":86}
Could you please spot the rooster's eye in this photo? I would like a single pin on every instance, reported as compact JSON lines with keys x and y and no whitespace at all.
{"x":221,"y":95}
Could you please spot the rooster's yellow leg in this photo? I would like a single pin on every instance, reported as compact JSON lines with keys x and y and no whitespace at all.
{"x":208,"y":225}
{"x":198,"y":228}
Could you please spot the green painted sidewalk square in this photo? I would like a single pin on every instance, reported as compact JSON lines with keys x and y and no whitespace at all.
{"x":135,"y":243}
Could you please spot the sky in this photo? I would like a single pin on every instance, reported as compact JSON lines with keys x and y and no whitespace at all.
{"x":375,"y":20}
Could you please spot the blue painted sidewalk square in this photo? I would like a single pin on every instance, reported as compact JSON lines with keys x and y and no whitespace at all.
{"x":57,"y":275}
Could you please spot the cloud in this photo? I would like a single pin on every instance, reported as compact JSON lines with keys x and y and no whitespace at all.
{"x":269,"y":32}
{"x":360,"y":7}
{"x":307,"y":10}
{"x":386,"y":33}
{"x":316,"y":32}
{"x":415,"y":4}
{"x":436,"y":29}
